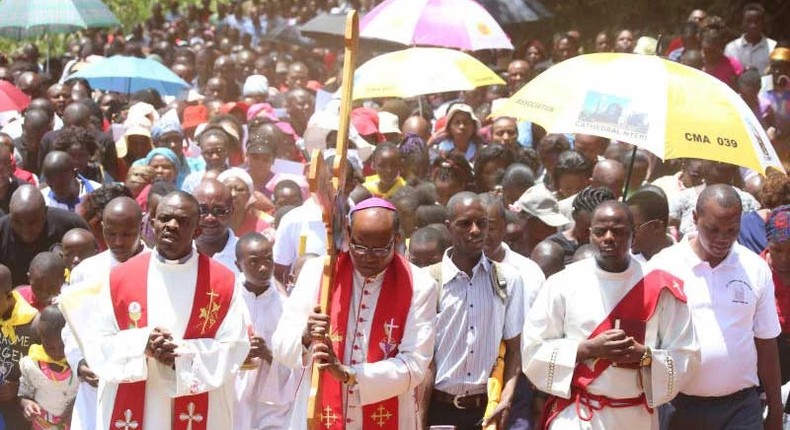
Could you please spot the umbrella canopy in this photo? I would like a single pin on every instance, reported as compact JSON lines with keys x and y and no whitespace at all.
{"x":32,"y":18}
{"x":130,"y":74}
{"x":460,"y":24}
{"x":510,"y":12}
{"x":329,"y":29}
{"x":12,"y":98}
{"x":416,"y":71}
{"x":664,"y":107}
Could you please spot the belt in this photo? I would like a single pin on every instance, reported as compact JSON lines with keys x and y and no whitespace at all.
{"x":738,"y":395}
{"x":473,"y":401}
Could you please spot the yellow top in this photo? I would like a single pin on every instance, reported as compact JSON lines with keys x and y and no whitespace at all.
{"x":22,"y":313}
{"x":372,"y":185}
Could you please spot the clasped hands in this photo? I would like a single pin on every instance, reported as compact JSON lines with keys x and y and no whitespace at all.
{"x":613,"y":345}
{"x":316,"y":337}
{"x":161,"y":347}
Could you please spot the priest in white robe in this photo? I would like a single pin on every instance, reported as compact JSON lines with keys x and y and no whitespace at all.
{"x":121,"y":229}
{"x":584,"y":344}
{"x":264,"y":388}
{"x":168,"y":342}
{"x":373,"y":394}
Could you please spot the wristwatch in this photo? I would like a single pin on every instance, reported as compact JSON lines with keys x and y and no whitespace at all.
{"x":647,"y":358}
{"x":350,"y":375}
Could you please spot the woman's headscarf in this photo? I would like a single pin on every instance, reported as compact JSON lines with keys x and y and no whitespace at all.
{"x":238,"y":173}
{"x":172,"y":157}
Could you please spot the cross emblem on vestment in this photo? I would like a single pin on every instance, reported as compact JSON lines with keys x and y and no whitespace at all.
{"x":381,"y":416}
{"x":190,"y":416}
{"x":388,"y":328}
{"x":127,"y":423}
{"x":209,"y":313}
{"x":328,"y":417}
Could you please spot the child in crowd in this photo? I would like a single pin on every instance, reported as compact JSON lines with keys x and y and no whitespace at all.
{"x":387,"y":163}
{"x":16,"y":336}
{"x":264,"y":388}
{"x":46,"y":275}
{"x":48,"y":386}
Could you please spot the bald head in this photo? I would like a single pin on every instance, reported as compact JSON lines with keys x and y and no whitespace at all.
{"x":122,"y":209}
{"x":57,"y":163}
{"x":549,"y":256}
{"x":609,"y":174}
{"x":214,"y":190}
{"x":27,"y":198}
{"x":76,"y":114}
{"x":722,"y":195}
{"x":77,"y":245}
{"x":417,"y":125}
{"x":43,"y":104}
{"x":47,"y":263}
{"x":30,"y":84}
{"x":36,"y":119}
{"x":464,"y":198}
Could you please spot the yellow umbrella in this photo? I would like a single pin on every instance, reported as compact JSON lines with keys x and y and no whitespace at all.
{"x":669,"y":109}
{"x":417,"y":71}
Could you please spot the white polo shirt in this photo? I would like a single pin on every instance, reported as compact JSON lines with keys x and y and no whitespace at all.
{"x":731,"y":305}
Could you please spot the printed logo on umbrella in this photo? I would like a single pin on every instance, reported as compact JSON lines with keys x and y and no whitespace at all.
{"x":483,"y":28}
{"x":613,"y":114}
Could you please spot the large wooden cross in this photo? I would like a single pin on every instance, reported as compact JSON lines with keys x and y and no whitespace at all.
{"x":328,"y":186}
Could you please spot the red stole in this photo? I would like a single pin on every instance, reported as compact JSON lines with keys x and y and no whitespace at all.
{"x":389,"y":320}
{"x":129,"y":292}
{"x":633,"y":311}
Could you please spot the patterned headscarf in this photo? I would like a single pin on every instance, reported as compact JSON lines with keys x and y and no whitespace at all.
{"x":777,"y":228}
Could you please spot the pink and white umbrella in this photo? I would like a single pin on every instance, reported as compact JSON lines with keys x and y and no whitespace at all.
{"x":460,"y":24}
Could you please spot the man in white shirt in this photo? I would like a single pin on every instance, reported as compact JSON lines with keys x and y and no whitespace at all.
{"x":650,"y":210}
{"x":481,"y":304}
{"x":121,"y":228}
{"x":376,"y":345}
{"x":752,"y":48}
{"x":731,"y":296}
{"x":216,"y":239}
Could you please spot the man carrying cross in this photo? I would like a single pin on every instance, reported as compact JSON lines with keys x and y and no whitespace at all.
{"x":170,"y":333}
{"x":376,"y":345}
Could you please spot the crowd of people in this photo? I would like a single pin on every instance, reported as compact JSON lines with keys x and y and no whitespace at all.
{"x":612,"y":289}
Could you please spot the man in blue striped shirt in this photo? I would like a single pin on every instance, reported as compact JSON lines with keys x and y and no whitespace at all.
{"x":481,"y":304}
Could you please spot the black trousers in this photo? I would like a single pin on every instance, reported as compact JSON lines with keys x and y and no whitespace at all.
{"x":448,"y":415}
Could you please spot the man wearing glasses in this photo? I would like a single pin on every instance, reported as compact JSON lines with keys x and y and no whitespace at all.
{"x":216,"y":239}
{"x":651,"y":217}
{"x":605,"y":340}
{"x":376,"y":344}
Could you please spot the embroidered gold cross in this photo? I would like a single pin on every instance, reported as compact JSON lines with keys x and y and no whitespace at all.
{"x":381,"y":416}
{"x":208,"y":314}
{"x":328,"y":417}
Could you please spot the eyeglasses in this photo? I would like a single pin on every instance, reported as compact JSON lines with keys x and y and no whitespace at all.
{"x":363,"y":251}
{"x":217,"y":211}
{"x":616,"y":231}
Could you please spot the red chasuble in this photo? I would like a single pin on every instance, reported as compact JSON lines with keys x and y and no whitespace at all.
{"x":392,"y":310}
{"x":633,"y":311}
{"x":129,"y":292}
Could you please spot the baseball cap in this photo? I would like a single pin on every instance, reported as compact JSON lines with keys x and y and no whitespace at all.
{"x":539,"y":202}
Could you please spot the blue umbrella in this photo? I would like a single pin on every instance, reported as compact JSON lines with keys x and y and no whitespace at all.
{"x":30,"y":18}
{"x":131,"y":74}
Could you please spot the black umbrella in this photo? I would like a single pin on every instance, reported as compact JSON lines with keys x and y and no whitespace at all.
{"x":328,"y":30}
{"x":509,"y":12}
{"x":289,"y":35}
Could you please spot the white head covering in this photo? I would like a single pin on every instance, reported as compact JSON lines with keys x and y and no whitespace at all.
{"x":239,"y":173}
{"x":256,"y":85}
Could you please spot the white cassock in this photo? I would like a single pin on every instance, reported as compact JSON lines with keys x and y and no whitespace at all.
{"x":119,"y":356}
{"x":568,"y":308}
{"x":264,"y":395}
{"x":397,"y":376}
{"x":93,"y":269}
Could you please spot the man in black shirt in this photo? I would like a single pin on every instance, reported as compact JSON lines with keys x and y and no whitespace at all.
{"x":37,"y":123}
{"x":30,"y":228}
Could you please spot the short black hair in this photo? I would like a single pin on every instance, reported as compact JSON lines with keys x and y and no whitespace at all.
{"x":491,"y":153}
{"x":723,"y":194}
{"x":249,"y":238}
{"x":70,"y":136}
{"x":652,"y":203}
{"x":571,"y":162}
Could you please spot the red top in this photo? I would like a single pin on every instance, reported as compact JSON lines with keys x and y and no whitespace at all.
{"x":26,"y":291}
{"x":782,"y":296}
